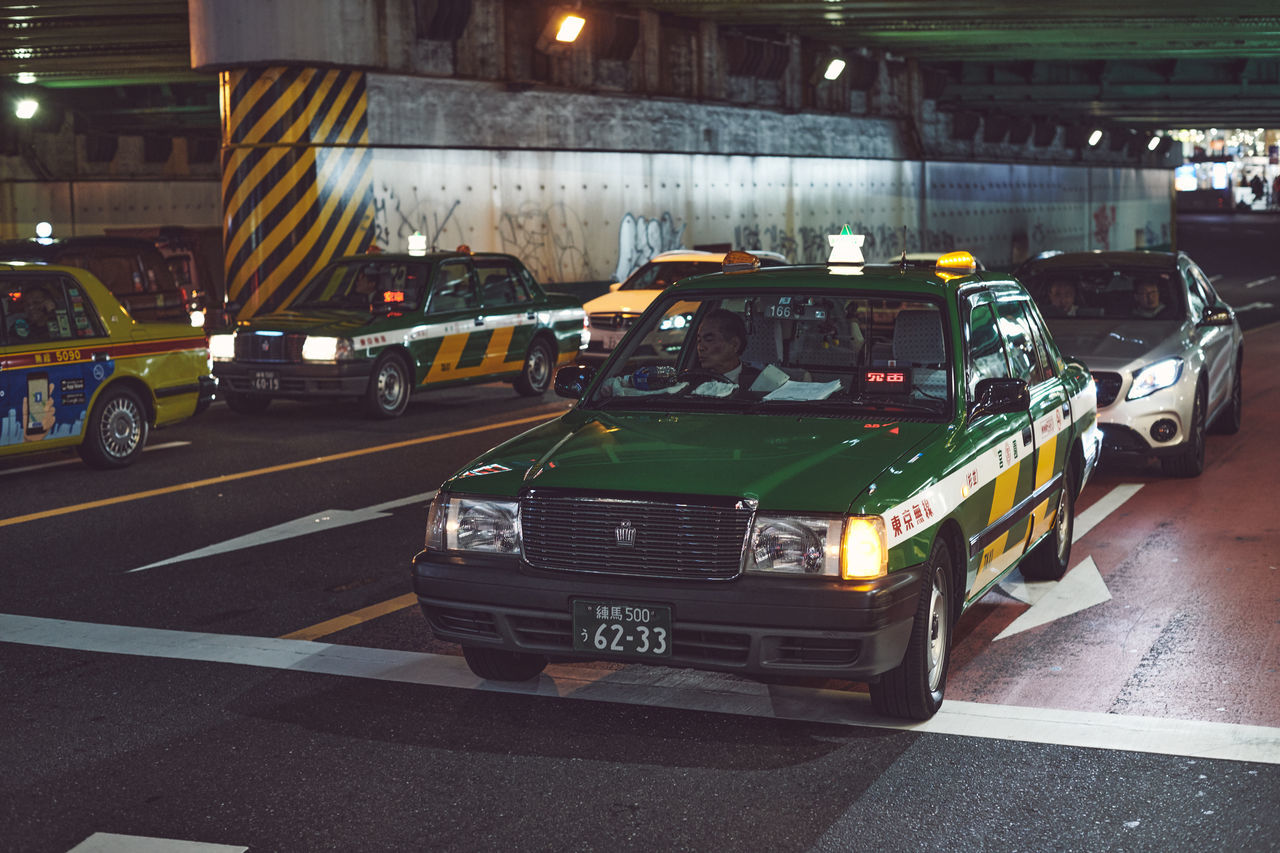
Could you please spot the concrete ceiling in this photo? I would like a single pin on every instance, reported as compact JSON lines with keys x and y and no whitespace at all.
{"x":123,"y":67}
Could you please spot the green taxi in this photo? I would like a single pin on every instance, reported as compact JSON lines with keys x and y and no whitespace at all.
{"x":76,"y":370}
{"x":380,"y":327}
{"x":796,"y":471}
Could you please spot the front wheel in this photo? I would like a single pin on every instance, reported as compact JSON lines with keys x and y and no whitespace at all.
{"x":913,"y":690}
{"x":116,"y":431}
{"x":535,"y":376}
{"x":388,"y":393}
{"x":501,"y":665}
{"x":1190,"y":462}
{"x":1048,"y":560}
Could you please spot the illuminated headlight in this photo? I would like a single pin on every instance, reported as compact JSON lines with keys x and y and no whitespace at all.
{"x":1155,"y":377}
{"x":483,"y":525}
{"x":222,"y":347}
{"x":585,"y":340}
{"x":852,"y":548}
{"x":675,"y":321}
{"x":320,"y":348}
{"x":197,"y":319}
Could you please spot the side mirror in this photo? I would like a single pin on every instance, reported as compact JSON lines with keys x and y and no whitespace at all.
{"x":1217,"y":315}
{"x":573,"y":379}
{"x":998,"y":396}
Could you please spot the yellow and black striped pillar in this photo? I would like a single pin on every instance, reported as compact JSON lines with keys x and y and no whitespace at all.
{"x":296,"y":184}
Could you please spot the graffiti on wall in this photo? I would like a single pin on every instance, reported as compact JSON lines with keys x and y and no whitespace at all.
{"x":640,"y":238}
{"x":398,"y":215}
{"x":550,"y":239}
{"x":1104,"y":219}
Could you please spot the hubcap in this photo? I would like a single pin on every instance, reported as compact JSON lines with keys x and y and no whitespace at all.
{"x":1063,"y":523}
{"x":937,"y":634}
{"x":539,"y":367}
{"x":390,"y":387}
{"x":121,"y":428}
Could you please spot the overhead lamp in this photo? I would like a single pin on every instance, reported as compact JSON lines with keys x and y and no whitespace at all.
{"x":562,"y":29}
{"x":1095,"y":138}
{"x":1153,"y":143}
{"x":26,"y":77}
{"x":26,"y":108}
{"x":834,"y":69}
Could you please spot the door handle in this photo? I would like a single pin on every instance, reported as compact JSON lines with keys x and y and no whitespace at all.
{"x":101,"y":356}
{"x":479,"y":321}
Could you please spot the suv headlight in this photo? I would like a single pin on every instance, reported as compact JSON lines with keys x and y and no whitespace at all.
{"x":222,"y":347}
{"x":323,"y":348}
{"x":854,"y":548}
{"x":485,"y":525}
{"x":1155,"y":377}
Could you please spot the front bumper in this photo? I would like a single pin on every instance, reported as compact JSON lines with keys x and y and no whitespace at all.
{"x":344,"y":379}
{"x":1127,"y":425}
{"x":757,"y":626}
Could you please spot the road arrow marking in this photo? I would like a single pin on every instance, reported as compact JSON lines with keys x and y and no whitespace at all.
{"x":323,"y":521}
{"x":1101,"y":508}
{"x":1079,"y":589}
{"x":1260,"y":281}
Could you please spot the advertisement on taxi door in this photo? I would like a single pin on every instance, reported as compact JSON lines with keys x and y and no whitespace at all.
{"x":44,"y":401}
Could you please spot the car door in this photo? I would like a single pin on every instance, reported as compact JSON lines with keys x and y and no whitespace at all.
{"x":1001,"y":472}
{"x":451,"y":345}
{"x":1214,"y":341}
{"x":509,"y":313}
{"x":50,"y":367}
{"x":1051,"y":424}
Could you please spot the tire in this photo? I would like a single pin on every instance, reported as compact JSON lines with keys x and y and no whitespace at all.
{"x":501,"y":665}
{"x":116,"y":431}
{"x":1048,"y":560}
{"x":1190,"y":462}
{"x":389,"y":388}
{"x":535,"y":375}
{"x":245,"y":404}
{"x":1228,"y":422}
{"x":913,"y":690}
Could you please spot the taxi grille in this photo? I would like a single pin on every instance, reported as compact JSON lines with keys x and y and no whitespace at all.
{"x":613,"y":320}
{"x":1108,"y":387}
{"x":666,"y":536}
{"x":252,"y":346}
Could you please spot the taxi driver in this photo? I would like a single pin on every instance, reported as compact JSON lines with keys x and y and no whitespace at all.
{"x":722,"y":337}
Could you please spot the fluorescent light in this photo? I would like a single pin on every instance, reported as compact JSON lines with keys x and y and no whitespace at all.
{"x":570,"y":27}
{"x":1095,"y":138}
{"x":834,"y":69}
{"x":26,"y":77}
{"x":1153,"y":143}
{"x":26,"y":108}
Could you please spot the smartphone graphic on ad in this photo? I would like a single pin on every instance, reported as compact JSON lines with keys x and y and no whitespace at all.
{"x":37,"y":400}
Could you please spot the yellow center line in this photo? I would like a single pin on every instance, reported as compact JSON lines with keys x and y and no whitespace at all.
{"x":258,"y":472}
{"x":350,"y":620}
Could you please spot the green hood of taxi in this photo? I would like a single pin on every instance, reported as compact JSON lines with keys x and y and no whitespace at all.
{"x":331,"y":322}
{"x":785,"y":462}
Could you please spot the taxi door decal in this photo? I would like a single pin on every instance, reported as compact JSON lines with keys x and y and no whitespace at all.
{"x":1000,"y":554}
{"x":1042,"y":517}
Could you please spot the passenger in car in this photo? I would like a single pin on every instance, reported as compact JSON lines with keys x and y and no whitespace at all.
{"x":1147,"y":300}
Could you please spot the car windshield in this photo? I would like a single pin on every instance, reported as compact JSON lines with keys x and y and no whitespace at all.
{"x":1117,"y":293}
{"x":656,"y":275}
{"x":821,"y":353}
{"x":386,"y":286}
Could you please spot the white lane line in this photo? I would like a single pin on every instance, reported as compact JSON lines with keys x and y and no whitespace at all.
{"x":1101,"y":508}
{"x":110,"y":842}
{"x":1259,"y":282}
{"x":76,"y":461}
{"x":664,"y":687}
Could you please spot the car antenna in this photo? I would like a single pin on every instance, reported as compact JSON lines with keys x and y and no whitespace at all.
{"x":903,"y":261}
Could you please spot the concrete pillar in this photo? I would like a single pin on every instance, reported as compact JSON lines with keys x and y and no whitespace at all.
{"x":296,"y":185}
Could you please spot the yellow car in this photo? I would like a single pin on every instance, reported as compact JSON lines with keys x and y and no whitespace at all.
{"x":77,"y":371}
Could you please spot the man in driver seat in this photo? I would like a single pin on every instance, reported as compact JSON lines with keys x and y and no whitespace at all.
{"x":722,"y":337}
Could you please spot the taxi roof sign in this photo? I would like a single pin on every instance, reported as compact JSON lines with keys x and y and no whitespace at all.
{"x":739,"y":262}
{"x":846,"y":247}
{"x":958,"y":261}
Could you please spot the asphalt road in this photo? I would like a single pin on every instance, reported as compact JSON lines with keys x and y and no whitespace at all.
{"x":216,"y":646}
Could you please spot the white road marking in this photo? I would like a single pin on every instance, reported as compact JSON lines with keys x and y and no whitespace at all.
{"x":1253,"y":306}
{"x":1101,"y":508}
{"x":1079,"y":589}
{"x":109,"y":842}
{"x":1215,"y":278}
{"x":323,"y":521}
{"x":1259,"y":282}
{"x":76,"y":461}
{"x":667,"y":688}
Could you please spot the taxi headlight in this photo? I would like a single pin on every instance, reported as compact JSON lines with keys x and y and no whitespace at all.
{"x":222,"y":347}
{"x":322,"y":348}
{"x":1155,"y":377}
{"x":854,"y":548}
{"x":485,"y":525}
{"x":197,"y":319}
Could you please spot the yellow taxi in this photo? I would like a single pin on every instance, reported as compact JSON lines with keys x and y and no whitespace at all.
{"x":76,"y":370}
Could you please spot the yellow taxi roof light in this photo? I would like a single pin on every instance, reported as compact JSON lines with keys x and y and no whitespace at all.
{"x":957,"y":261}
{"x":739,"y":262}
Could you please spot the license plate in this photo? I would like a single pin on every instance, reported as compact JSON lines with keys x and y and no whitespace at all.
{"x":622,"y":628}
{"x":266,"y":380}
{"x":610,"y":340}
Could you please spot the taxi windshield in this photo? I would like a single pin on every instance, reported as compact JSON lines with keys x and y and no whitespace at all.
{"x":820,"y":352}
{"x":383,"y":286}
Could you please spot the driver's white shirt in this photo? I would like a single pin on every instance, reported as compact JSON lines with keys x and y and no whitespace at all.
{"x":732,"y":375}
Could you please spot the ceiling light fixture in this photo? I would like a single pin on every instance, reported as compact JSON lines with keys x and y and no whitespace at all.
{"x":26,"y":108}
{"x":1095,"y":138}
{"x":834,"y":69}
